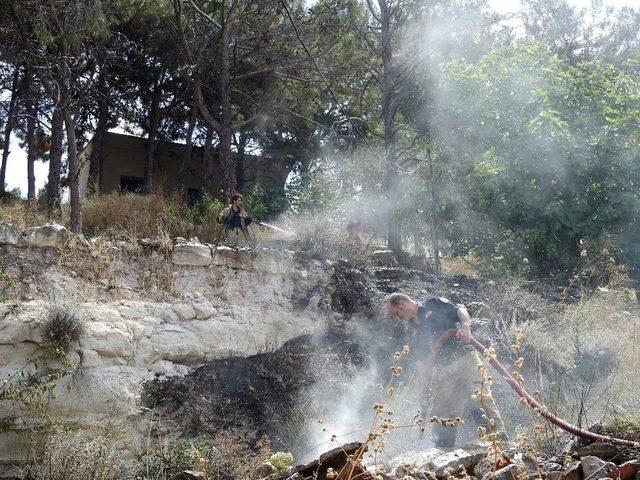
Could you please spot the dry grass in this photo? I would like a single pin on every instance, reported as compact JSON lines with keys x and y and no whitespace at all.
{"x":151,"y":216}
{"x":514,"y":309}
{"x":21,"y":214}
{"x":128,"y":216}
{"x":135,"y":216}
{"x":76,"y":456}
{"x":459,"y":266}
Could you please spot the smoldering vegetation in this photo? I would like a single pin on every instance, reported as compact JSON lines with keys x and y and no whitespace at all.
{"x":314,"y":393}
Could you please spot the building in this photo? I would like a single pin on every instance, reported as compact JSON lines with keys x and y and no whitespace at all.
{"x":124,"y":160}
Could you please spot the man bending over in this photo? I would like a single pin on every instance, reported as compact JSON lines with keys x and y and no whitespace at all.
{"x":455,"y":374}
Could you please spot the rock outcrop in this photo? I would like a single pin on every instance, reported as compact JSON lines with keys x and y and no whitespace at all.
{"x":147,"y":314}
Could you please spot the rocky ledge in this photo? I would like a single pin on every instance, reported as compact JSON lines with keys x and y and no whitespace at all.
{"x":148,"y":311}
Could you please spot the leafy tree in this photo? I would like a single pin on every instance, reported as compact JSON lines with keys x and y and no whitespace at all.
{"x":549,"y":151}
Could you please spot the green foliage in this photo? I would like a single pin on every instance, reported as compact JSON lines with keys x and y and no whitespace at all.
{"x":260,"y":204}
{"x":281,"y":460}
{"x":628,"y":428}
{"x":255,"y":203}
{"x":548,"y":153}
{"x":207,"y":209}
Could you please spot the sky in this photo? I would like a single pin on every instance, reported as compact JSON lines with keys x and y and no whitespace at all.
{"x":509,"y":6}
{"x":17,"y":164}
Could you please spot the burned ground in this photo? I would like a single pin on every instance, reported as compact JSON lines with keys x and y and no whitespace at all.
{"x":269,"y":393}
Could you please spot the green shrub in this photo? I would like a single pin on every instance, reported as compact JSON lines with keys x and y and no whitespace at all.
{"x":62,"y":328}
{"x":281,"y":460}
{"x":255,"y":203}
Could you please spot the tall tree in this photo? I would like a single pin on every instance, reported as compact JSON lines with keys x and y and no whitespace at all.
{"x":9,"y":124}
{"x":69,"y":32}
{"x":247,"y":45}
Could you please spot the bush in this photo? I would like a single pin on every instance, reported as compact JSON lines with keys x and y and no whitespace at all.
{"x":624,"y":427}
{"x":221,"y":457}
{"x":255,"y":203}
{"x":321,"y":237}
{"x":62,"y":327}
{"x":20,"y":214}
{"x":281,"y":460}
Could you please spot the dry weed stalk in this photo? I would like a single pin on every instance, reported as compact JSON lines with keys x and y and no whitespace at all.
{"x":384,"y":422}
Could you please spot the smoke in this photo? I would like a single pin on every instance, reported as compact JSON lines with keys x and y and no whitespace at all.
{"x":343,"y":397}
{"x":517,"y":148}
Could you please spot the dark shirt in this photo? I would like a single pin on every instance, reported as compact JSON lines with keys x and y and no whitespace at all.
{"x":235,"y":219}
{"x":444,"y":315}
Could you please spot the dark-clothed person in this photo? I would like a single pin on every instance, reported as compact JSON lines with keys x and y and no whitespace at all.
{"x":455,"y":375}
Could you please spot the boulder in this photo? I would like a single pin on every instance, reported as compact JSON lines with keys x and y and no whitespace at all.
{"x":600,"y":450}
{"x":409,"y":460}
{"x":573,"y":471}
{"x":551,"y":467}
{"x":488,"y":464}
{"x":384,"y":258}
{"x":50,"y":235}
{"x":594,"y":467}
{"x":627,"y":471}
{"x":185,"y":311}
{"x":8,"y":234}
{"x":194,"y":254}
{"x":455,"y":461}
{"x":510,"y":472}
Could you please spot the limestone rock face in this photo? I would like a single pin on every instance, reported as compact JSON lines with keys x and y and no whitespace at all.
{"x":50,"y":235}
{"x":136,"y":329}
{"x":191,"y":253}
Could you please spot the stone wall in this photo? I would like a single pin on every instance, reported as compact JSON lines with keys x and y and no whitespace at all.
{"x":149,"y":311}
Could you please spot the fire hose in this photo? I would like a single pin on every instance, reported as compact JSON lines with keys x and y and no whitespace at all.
{"x":526,"y":396}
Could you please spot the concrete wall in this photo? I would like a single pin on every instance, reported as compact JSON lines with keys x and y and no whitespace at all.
{"x":125,"y":156}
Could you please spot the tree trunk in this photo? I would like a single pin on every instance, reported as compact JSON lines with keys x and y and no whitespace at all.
{"x":152,"y":141}
{"x":435,"y":239}
{"x":11,"y":114}
{"x":74,"y":171}
{"x":207,"y":155}
{"x":55,"y":164}
{"x":72,"y":147}
{"x":226,"y":159}
{"x":388,"y":120}
{"x":185,"y":159}
{"x":242,"y":145}
{"x":31,"y":147}
{"x":95,"y":161}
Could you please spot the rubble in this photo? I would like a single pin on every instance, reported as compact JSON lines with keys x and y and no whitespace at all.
{"x":593,"y":467}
